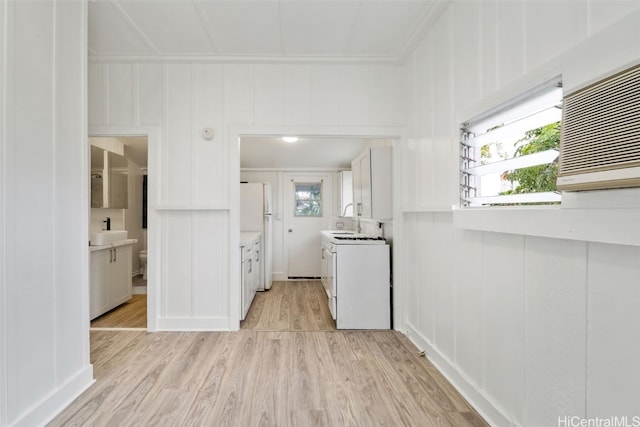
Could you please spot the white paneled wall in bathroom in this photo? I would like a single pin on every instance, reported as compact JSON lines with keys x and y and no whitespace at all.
{"x":194,"y":175}
{"x":528,"y":328}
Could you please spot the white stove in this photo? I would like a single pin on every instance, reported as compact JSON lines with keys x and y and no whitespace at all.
{"x":356,"y":278}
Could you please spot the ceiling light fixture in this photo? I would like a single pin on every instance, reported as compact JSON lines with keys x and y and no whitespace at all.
{"x":290,"y":139}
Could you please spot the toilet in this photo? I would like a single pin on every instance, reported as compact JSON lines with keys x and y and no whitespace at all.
{"x":143,"y":263}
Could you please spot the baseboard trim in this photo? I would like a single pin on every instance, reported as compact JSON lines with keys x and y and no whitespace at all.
{"x":139,"y":290}
{"x":193,"y":324}
{"x":468,"y":390}
{"x":59,"y":399}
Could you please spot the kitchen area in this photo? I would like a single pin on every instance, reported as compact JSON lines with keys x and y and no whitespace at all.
{"x":348,"y":216}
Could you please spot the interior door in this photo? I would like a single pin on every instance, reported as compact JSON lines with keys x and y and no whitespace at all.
{"x":308,"y":206}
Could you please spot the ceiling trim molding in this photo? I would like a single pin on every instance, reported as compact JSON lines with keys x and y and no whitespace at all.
{"x":425,"y":25}
{"x":135,"y":27}
{"x":207,"y":27}
{"x":206,"y":59}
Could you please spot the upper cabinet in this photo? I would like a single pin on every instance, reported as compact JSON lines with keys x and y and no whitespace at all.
{"x":109,"y":184}
{"x":372,"y":183}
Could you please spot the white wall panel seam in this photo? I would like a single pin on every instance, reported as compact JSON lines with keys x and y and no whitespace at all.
{"x":195,"y":145}
{"x":136,"y":93}
{"x":524,"y":38}
{"x":105,"y":94}
{"x":163,"y":290}
{"x":524,"y":325}
{"x":3,"y":213}
{"x":54,"y":158}
{"x":194,"y":137}
{"x":483,"y":373}
{"x":586,"y":328}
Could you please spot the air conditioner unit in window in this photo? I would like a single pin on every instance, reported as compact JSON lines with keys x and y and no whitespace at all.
{"x":600,"y":135}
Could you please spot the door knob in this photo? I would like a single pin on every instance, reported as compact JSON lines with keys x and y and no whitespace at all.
{"x":290,"y":230}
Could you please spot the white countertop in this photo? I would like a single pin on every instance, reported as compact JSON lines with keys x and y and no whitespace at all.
{"x":113,"y":245}
{"x":246,"y":237}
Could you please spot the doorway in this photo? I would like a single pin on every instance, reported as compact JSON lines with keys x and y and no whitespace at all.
{"x":119,"y":272}
{"x":302,"y":175}
{"x":308,"y":208}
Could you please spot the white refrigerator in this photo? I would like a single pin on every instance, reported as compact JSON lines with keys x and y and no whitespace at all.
{"x":255,"y":215}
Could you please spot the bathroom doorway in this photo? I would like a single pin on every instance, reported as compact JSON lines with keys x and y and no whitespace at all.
{"x":118,"y":270}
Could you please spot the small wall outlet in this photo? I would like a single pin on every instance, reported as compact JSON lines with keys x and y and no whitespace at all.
{"x":339,"y":225}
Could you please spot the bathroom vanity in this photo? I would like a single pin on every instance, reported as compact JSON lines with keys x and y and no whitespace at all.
{"x":110,"y":276}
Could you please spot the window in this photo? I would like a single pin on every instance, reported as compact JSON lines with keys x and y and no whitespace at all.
{"x":308,"y":199}
{"x":509,"y":156}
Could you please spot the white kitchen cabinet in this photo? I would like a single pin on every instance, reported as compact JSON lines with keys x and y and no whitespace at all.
{"x":110,"y":279}
{"x":372,"y":183}
{"x":251,"y":273}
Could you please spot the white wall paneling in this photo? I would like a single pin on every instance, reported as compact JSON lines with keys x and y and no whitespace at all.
{"x":196,"y":175}
{"x":555,"y":358}
{"x":613,"y":336}
{"x":539,"y":297}
{"x":44,"y":285}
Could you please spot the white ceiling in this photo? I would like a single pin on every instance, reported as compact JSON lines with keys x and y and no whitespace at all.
{"x":383,"y":30}
{"x":316,"y":153}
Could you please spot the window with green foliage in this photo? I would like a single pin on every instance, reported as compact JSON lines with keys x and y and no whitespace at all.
{"x":509,"y":156}
{"x":308,"y":199}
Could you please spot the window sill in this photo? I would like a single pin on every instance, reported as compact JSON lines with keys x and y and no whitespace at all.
{"x":602,"y":225}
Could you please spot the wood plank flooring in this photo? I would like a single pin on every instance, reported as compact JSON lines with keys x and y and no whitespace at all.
{"x":131,"y":314}
{"x":290,"y":306}
{"x":251,"y":378}
{"x":296,"y":376}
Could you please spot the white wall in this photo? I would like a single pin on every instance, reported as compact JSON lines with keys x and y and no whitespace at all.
{"x":528,"y":328}
{"x":44,"y":321}
{"x":195,"y":192}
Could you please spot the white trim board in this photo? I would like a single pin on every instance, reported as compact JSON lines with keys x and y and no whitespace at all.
{"x":54,"y":403}
{"x":612,"y":226}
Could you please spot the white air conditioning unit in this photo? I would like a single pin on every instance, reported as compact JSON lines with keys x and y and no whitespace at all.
{"x":600,"y":136}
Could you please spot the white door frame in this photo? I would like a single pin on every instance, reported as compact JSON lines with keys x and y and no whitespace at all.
{"x":373,"y":132}
{"x":153,"y":243}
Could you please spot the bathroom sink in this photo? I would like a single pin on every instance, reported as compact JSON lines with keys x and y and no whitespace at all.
{"x":105,"y":237}
{"x":343,"y":232}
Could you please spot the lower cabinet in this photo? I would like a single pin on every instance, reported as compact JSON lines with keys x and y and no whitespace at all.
{"x":251,"y":276}
{"x":110,"y":279}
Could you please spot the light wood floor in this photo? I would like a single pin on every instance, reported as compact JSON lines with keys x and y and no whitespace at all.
{"x":251,"y":378}
{"x":131,"y":314}
{"x":290,"y":306}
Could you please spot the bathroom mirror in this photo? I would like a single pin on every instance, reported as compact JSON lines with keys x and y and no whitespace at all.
{"x":109,"y":184}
